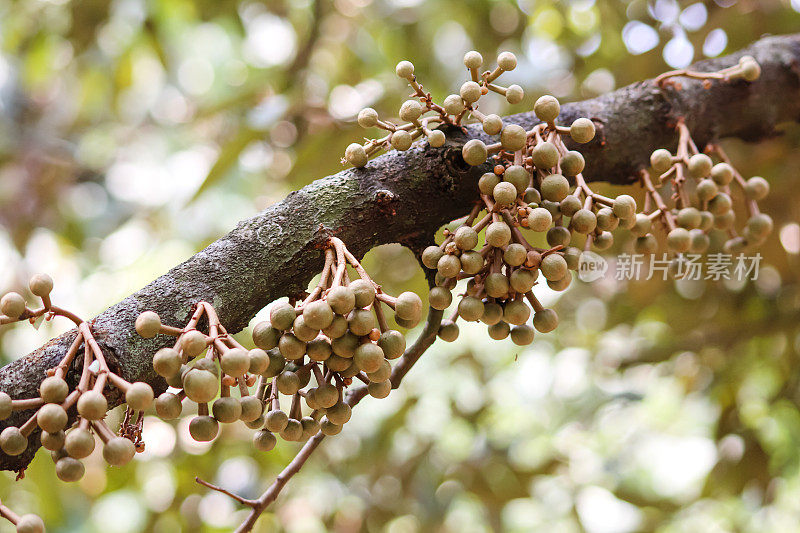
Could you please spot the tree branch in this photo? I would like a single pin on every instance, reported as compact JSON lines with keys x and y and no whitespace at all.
{"x":405,"y":197}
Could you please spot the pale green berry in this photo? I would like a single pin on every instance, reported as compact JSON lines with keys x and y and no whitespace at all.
{"x":706,"y":190}
{"x":470,"y":308}
{"x":492,"y":124}
{"x":431,"y":256}
{"x":661,"y":160}
{"x":515,"y":254}
{"x":699,"y":166}
{"x":507,"y":61}
{"x":570,"y":205}
{"x":522,"y":335}
{"x":474,"y":152}
{"x":624,"y":206}
{"x":606,"y":219}
{"x":517,"y":176}
{"x":367,"y":118}
{"x":405,"y":69}
{"x":545,"y":320}
{"x":539,"y":219}
{"x":545,"y":156}
{"x":470,"y":92}
{"x":453,"y":104}
{"x":678,"y":240}
{"x":572,"y":163}
{"x":356,"y":155}
{"x":497,"y":285}
{"x":555,"y":187}
{"x":553,"y":267}
{"x":721,"y":173}
{"x":148,"y":324}
{"x":583,"y":221}
{"x":514,"y":94}
{"x":582,"y":130}
{"x":498,"y":234}
{"x":436,"y":138}
{"x":488,"y":182}
{"x":756,"y":188}
{"x":410,"y":110}
{"x":504,"y":193}
{"x":547,"y":108}
{"x":513,"y":138}
{"x":449,"y":266}
{"x":466,"y":238}
{"x":473,"y":60}
{"x":401,"y":140}
{"x":448,"y":331}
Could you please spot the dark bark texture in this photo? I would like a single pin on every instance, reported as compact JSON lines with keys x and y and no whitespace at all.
{"x":404,"y":197}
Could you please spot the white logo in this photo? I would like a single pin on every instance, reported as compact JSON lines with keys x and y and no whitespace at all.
{"x":591,"y":267}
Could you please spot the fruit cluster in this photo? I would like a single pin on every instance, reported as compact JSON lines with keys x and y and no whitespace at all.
{"x":701,"y":200}
{"x":71,"y":442}
{"x":451,"y":112}
{"x":27,"y":523}
{"x":337,"y":333}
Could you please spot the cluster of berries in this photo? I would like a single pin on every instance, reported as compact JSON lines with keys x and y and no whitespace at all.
{"x":422,"y":116}
{"x":336,"y":334}
{"x":72,"y":439}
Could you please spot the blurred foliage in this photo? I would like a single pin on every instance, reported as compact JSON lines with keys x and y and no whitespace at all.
{"x":656,"y":406}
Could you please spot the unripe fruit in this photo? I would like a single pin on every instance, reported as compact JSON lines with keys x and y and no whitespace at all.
{"x":401,"y":140}
{"x":302,"y":331}
{"x":513,"y":137}
{"x":539,"y":219}
{"x":570,"y":205}
{"x":276,"y":364}
{"x":466,"y":238}
{"x":168,"y":407}
{"x":364,"y":292}
{"x":201,"y":428}
{"x":624,"y":206}
{"x":492,"y":313}
{"x":582,"y":130}
{"x":689,"y":218}
{"x":471,"y":262}
{"x":293,"y":430}
{"x":410,"y":110}
{"x":558,"y":235}
{"x":603,"y":241}
{"x":52,"y":441}
{"x":488,"y":182}
{"x":368,"y":357}
{"x":470,"y":308}
{"x":291,"y":347}
{"x":41,"y":285}
{"x":251,"y":408}
{"x":167,"y":362}
{"x":545,"y":320}
{"x":276,"y":421}
{"x":572,"y":163}
{"x":344,"y":346}
{"x":507,"y":61}
{"x":661,"y":160}
{"x":706,"y":190}
{"x":148,"y":324}
{"x":606,"y":219}
{"x":258,"y":361}
{"x":516,"y":312}
{"x":522,"y":280}
{"x":329,"y":428}
{"x":436,"y":138}
{"x":583,"y":221}
{"x":356,"y":155}
{"x":572,"y":256}
{"x":492,"y":124}
{"x":440,"y":298}
{"x":30,"y":523}
{"x":721,"y":173}
{"x":264,"y":441}
{"x":453,"y":104}
{"x":720,"y":204}
{"x":499,"y":331}
{"x":449,"y":266}
{"x":642,"y":225}
{"x":319,"y":349}
{"x":724,"y":220}
{"x":496,"y":285}
{"x":522,"y":335}
{"x":553,"y":267}
{"x":79,"y":443}
{"x":750,"y":68}
{"x":139,"y":396}
{"x":404,"y":69}
{"x":515,"y":253}
{"x":51,"y":417}
{"x":119,"y":451}
{"x":380,"y":390}
{"x":282,"y":316}
{"x":226,"y":410}
{"x":555,"y":187}
{"x":504,"y":194}
{"x":393,"y":344}
{"x":498,"y":234}
{"x":288,"y":382}
{"x":193,"y":343}
{"x":518,"y":177}
{"x":337,"y":328}
{"x":545,"y":156}
{"x":470,"y":92}
{"x":700,"y":241}
{"x":431,"y":256}
{"x":756,"y":188}
{"x":69,"y":470}
{"x":6,"y":407}
{"x":53,"y":390}
{"x":474,"y":152}
{"x":473,"y":60}
{"x":699,"y":166}
{"x":200,"y":386}
{"x":361,"y":321}
{"x":367,"y":118}
{"x":547,"y":108}
{"x":92,"y":405}
{"x":514,"y":94}
{"x":12,"y":305}
{"x":561,"y":284}
{"x":339,"y":414}
{"x":760,"y":225}
{"x":12,"y":441}
{"x":318,"y":314}
{"x":382,"y":374}
{"x":341,"y":300}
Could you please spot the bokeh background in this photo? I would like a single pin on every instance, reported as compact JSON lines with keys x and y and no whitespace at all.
{"x":135,"y":132}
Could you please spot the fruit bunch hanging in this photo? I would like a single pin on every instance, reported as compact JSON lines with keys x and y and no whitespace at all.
{"x":71,"y":438}
{"x":307,"y":354}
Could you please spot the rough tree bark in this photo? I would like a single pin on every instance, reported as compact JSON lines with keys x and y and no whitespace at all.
{"x":405,"y":197}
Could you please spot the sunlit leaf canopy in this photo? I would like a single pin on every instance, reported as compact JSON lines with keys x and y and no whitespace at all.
{"x":133,"y":133}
